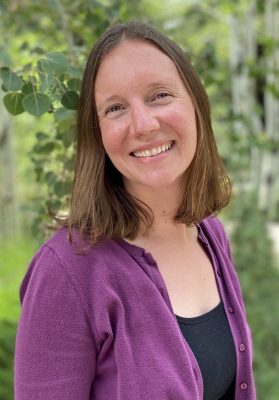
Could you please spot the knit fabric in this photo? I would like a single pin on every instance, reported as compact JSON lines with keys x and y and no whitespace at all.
{"x":99,"y":324}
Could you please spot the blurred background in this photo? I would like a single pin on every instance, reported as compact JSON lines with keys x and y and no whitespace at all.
{"x":234,"y":46}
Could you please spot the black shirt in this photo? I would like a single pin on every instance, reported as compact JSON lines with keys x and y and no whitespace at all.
{"x":209,"y":337}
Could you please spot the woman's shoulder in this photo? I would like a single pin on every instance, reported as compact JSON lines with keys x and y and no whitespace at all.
{"x":76,"y":261}
{"x":77,"y":257}
{"x":60,"y":250}
{"x":71,"y":246}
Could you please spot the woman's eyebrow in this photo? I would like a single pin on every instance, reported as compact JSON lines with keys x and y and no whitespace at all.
{"x":156,"y":84}
{"x":170,"y":84}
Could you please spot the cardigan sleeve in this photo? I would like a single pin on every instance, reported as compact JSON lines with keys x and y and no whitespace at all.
{"x":55,"y":354}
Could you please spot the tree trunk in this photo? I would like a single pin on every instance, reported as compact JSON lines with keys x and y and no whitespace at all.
{"x":243,"y":47}
{"x":270,"y":163}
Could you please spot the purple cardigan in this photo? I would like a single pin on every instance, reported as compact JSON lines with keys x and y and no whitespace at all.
{"x":100,"y":325}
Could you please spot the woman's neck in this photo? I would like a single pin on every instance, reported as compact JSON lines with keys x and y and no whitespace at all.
{"x":164,"y":204}
{"x":164,"y":201}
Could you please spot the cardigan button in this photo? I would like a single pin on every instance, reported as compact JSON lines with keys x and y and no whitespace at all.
{"x":241,"y":347}
{"x":243,"y":386}
{"x":230,"y":309}
{"x":204,"y":240}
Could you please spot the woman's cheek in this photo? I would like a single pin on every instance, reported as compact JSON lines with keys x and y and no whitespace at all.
{"x":112,"y":137}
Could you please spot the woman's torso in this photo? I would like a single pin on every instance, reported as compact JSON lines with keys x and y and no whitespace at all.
{"x":187,"y":272}
{"x":190,"y":280}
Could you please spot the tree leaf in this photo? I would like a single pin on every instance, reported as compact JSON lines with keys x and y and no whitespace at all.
{"x":27,"y":88}
{"x":54,"y":62}
{"x":62,"y":188}
{"x":53,"y":204}
{"x":44,"y":147}
{"x":50,"y":178}
{"x":62,"y":114}
{"x":67,"y":136}
{"x":36,"y":103}
{"x":4,"y":88}
{"x":13,"y":103}
{"x":48,"y":82}
{"x":41,"y":136}
{"x":74,"y":84}
{"x":70,"y":100}
{"x":10,"y":80}
{"x":75,"y":72}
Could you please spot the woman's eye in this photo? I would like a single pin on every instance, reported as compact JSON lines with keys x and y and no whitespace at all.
{"x":161,"y":95}
{"x":114,"y":108}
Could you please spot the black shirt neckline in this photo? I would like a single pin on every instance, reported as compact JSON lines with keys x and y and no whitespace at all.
{"x":200,"y":318}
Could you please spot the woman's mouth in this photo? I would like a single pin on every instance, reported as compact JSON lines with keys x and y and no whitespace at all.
{"x":154,"y":151}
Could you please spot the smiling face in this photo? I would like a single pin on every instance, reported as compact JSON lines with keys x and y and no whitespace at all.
{"x":146,"y":117}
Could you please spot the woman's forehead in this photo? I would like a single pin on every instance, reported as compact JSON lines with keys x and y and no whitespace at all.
{"x":135,"y":52}
{"x":135,"y":59}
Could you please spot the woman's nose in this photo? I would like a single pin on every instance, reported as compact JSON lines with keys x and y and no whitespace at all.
{"x":143,"y":120}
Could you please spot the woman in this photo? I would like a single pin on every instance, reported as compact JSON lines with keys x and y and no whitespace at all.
{"x":137,"y":297}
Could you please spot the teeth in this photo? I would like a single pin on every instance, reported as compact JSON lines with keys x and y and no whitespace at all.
{"x":153,"y":152}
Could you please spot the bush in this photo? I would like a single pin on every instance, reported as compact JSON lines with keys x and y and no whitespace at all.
{"x":7,"y":342}
{"x":15,"y":255}
{"x":252,"y":251}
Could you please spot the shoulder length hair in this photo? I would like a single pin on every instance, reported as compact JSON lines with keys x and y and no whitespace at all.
{"x":100,"y":206}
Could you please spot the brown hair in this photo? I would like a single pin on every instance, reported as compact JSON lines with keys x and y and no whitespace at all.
{"x":100,"y":205}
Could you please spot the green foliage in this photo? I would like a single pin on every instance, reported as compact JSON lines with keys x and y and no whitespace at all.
{"x":42,"y":89}
{"x":38,"y":81}
{"x":54,"y":62}
{"x":47,"y":83}
{"x":15,"y":256}
{"x":10,"y":80}
{"x":50,"y":87}
{"x":7,"y":343}
{"x":70,"y":100}
{"x":13,"y":103}
{"x":36,"y":103}
{"x":260,"y":285}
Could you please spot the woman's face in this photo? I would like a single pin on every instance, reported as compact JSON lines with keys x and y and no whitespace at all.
{"x":146,"y":117}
